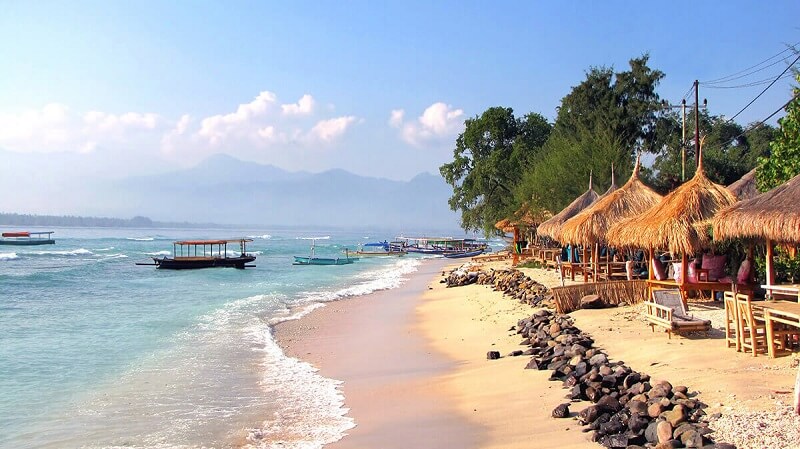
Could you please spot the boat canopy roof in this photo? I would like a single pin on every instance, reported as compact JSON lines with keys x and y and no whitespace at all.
{"x":212,"y":242}
{"x":25,"y":233}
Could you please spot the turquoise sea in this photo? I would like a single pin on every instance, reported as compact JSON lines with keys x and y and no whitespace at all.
{"x":96,"y":352}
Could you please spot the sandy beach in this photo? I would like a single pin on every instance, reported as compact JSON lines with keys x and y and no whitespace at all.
{"x":415,"y":373}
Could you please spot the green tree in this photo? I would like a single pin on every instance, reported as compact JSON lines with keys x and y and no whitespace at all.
{"x":625,"y":103}
{"x":783,"y":162}
{"x":488,"y":163}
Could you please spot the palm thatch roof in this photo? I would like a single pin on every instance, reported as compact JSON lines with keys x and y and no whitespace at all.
{"x":550,"y":227}
{"x":772,"y":215}
{"x":745,"y":188}
{"x":591,"y":225}
{"x":671,"y":224}
{"x":505,"y":225}
{"x":613,"y":185}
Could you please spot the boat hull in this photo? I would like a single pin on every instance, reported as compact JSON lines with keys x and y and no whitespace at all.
{"x":27,"y":242}
{"x":305,"y":260}
{"x":193,"y":263}
{"x":463,"y":254}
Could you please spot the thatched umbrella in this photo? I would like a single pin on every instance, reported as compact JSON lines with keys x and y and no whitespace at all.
{"x":549,"y":228}
{"x":671,"y":224}
{"x":772,"y":216}
{"x":590,"y":226}
{"x":745,"y":187}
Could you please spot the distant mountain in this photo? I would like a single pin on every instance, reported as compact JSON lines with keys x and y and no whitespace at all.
{"x":222,"y":189}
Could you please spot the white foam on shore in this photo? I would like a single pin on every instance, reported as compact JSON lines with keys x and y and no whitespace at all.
{"x":8,"y":256}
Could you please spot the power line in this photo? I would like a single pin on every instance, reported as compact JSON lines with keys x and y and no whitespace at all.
{"x":753,"y":84}
{"x":757,"y":124}
{"x":733,"y":78}
{"x":726,"y":78}
{"x":765,"y":89}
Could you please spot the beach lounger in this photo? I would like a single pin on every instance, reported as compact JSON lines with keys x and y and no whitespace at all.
{"x":666,"y":310}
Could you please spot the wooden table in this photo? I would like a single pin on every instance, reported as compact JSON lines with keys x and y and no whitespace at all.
{"x":547,"y":255}
{"x":786,"y":289}
{"x":784,"y":312}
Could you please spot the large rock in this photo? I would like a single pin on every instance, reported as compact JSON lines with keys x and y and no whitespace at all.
{"x":664,"y":431}
{"x":562,"y":411}
{"x":592,"y":302}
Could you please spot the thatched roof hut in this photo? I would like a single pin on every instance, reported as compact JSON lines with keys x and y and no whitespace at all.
{"x":550,"y":227}
{"x":590,"y":226}
{"x":772,"y":215}
{"x":671,"y":224}
{"x":745,"y":188}
{"x":505,"y":225}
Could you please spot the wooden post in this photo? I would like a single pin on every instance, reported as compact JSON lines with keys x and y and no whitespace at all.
{"x":515,"y":255}
{"x":770,"y":266}
{"x":684,"y":274}
{"x":650,"y":275}
{"x":595,"y":261}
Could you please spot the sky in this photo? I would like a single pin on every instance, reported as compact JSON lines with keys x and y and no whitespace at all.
{"x":118,"y":89}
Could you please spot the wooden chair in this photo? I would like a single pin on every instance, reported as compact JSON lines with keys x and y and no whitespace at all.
{"x":731,"y":322}
{"x":752,"y":328}
{"x":667,"y":310}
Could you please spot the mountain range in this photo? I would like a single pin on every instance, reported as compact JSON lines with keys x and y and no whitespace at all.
{"x":226,"y":190}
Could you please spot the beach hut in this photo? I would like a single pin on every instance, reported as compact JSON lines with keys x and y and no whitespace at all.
{"x":673,"y":223}
{"x":745,"y":188}
{"x":549,"y":228}
{"x":772,"y":216}
{"x":589,"y":227}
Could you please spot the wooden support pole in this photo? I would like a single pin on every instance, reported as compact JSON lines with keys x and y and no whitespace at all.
{"x":770,"y":266}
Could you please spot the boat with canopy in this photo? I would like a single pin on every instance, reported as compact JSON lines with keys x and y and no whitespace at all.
{"x":193,"y":254}
{"x":27,"y":238}
{"x":313,"y":259}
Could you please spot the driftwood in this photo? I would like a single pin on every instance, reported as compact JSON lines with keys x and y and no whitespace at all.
{"x":568,"y":299}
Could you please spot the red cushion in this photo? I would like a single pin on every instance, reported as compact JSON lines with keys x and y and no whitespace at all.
{"x":745,"y":274}
{"x":658,"y":270}
{"x":715,"y":266}
{"x":691,"y":273}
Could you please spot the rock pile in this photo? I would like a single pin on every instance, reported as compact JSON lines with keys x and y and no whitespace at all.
{"x":630,"y":410}
{"x":511,"y":282}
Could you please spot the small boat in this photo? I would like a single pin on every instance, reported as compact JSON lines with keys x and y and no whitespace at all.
{"x":312,"y":259}
{"x":386,"y":250}
{"x":26,"y":238}
{"x":193,"y":254}
{"x":460,"y":254}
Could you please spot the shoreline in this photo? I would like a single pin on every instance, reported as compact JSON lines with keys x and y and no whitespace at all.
{"x":393,"y":379}
{"x":438,"y":347}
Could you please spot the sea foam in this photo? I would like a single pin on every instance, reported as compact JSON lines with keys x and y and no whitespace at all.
{"x":8,"y":256}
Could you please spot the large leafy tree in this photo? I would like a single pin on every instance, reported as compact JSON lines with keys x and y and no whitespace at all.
{"x":488,"y":163}
{"x":625,"y":103}
{"x":783,"y":162}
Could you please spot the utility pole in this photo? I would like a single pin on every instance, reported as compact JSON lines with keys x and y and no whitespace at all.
{"x":697,"y":122}
{"x":683,"y":134}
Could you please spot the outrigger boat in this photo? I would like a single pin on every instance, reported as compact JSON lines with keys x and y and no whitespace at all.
{"x":192,"y":254}
{"x":461,"y":254}
{"x":312,"y":259}
{"x":439,"y":245}
{"x":387,"y":250}
{"x":26,"y":238}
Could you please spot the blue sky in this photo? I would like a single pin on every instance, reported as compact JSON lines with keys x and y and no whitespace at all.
{"x":376,"y":88}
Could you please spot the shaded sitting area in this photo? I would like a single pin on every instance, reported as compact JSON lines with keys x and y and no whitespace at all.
{"x":667,"y":311}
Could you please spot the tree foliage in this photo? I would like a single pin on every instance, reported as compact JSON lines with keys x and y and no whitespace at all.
{"x":783,"y":161}
{"x":487,"y":164}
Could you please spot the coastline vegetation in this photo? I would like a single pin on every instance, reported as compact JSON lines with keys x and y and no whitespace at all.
{"x":504,"y":164}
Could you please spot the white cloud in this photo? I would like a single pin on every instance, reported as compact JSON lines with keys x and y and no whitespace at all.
{"x":437,"y":123}
{"x":331,"y":129}
{"x":304,"y":106}
{"x":56,"y":128}
{"x":396,"y":118}
{"x":218,"y":127}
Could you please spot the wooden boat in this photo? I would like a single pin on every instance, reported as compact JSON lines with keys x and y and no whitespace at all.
{"x":460,"y":254}
{"x":193,"y":254}
{"x":438,"y":245}
{"x":26,"y":238}
{"x":386,"y":250}
{"x":312,"y":259}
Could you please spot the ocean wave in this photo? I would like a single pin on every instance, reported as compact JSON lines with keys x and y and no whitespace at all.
{"x":303,"y":393}
{"x":160,"y":253}
{"x":105,"y":249}
{"x":74,"y":252}
{"x":263,"y":237}
{"x":140,"y":239}
{"x":324,"y":237}
{"x":8,"y":256}
{"x":114,"y":256}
